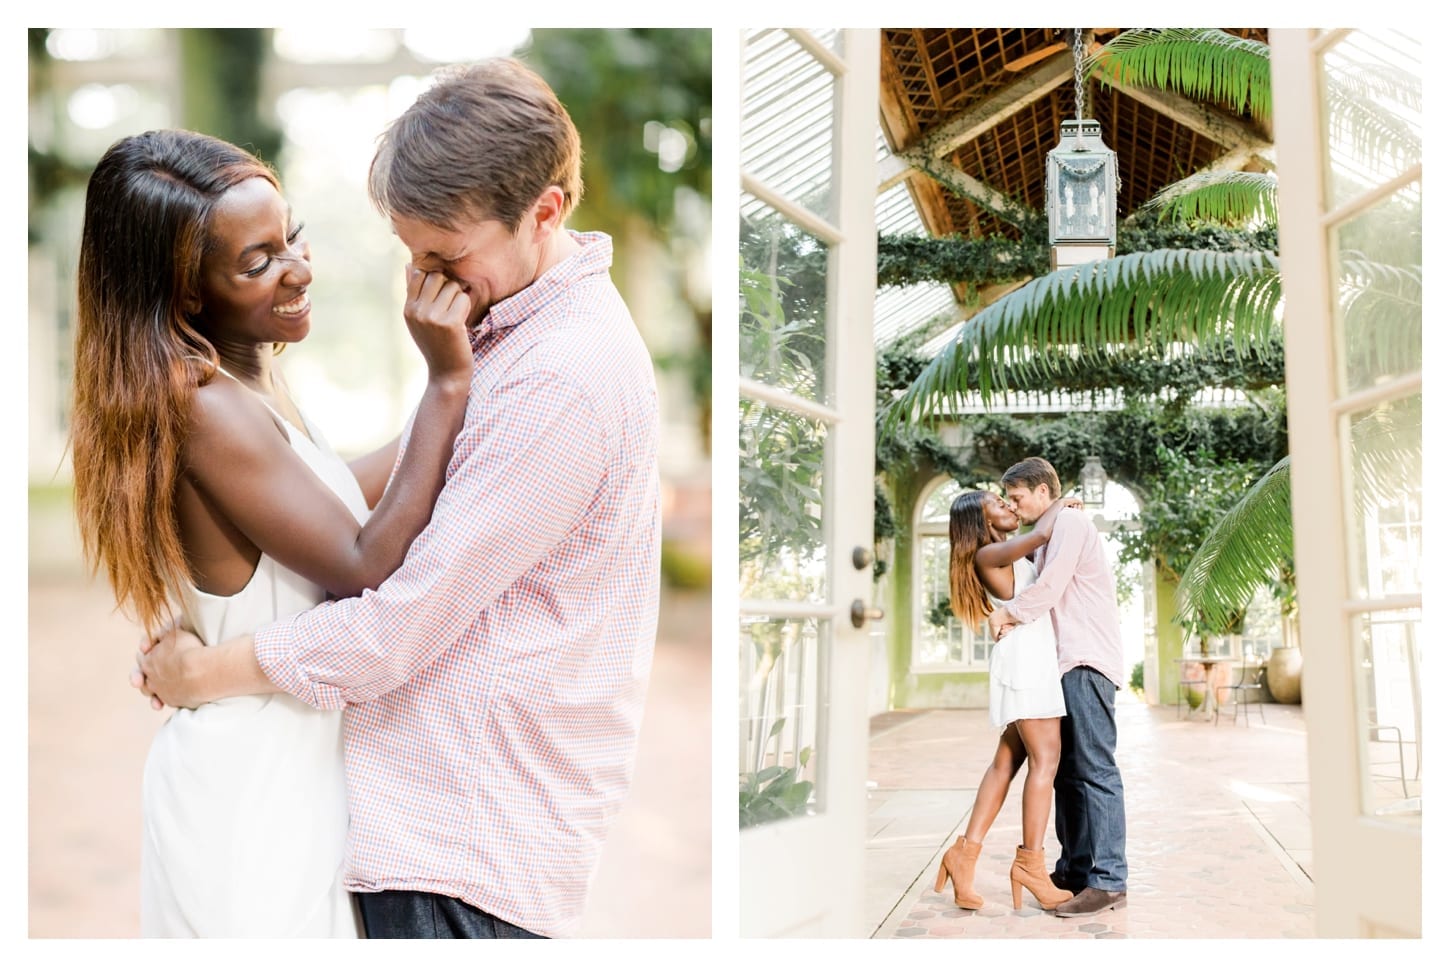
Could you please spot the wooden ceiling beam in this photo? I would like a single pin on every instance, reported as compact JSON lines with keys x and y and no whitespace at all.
{"x":918,"y":36}
{"x":897,"y":167}
{"x":969,"y":125}
{"x":896,"y":120}
{"x":1242,"y":159}
{"x":930,"y":204}
{"x":988,"y":294}
{"x":991,"y":111}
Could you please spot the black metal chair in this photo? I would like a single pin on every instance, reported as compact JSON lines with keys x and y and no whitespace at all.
{"x":1246,"y":690}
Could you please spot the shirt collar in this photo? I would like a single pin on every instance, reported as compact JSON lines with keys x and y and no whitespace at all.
{"x":595,"y":255}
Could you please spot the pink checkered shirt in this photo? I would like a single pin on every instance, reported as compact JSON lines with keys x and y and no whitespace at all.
{"x":493,"y":687}
{"x":1075,"y":584}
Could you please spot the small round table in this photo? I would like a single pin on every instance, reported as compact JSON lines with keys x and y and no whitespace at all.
{"x":1210,"y":689}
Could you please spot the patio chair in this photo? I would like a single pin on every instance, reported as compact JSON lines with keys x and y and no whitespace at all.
{"x":1375,"y":729}
{"x":1189,"y":675}
{"x":1246,"y":690}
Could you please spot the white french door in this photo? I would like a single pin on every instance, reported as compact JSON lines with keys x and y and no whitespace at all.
{"x":807,"y":434}
{"x":1350,"y":221}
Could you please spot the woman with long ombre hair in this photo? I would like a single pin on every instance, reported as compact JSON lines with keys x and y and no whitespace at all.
{"x":989,"y":568}
{"x":210,"y":499}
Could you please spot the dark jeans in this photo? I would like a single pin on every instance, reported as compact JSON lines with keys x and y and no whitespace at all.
{"x":1092,"y":825}
{"x":407,"y":915}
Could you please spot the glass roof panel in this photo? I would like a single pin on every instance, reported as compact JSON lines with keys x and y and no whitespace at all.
{"x":904,"y":309}
{"x":786,"y":120}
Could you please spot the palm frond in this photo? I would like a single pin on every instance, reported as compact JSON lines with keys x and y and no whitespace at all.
{"x":1199,"y":63}
{"x":1374,"y":109}
{"x":1387,"y":452}
{"x":1384,"y":83}
{"x":1145,"y":299}
{"x":1374,"y":136}
{"x":1230,"y":197}
{"x":1246,"y":550}
{"x":1249,"y":547}
{"x":1382,"y":312}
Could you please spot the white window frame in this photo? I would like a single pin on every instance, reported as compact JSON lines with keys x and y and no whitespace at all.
{"x":919,"y":530}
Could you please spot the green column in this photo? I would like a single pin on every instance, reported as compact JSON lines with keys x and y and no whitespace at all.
{"x":1170,"y":637}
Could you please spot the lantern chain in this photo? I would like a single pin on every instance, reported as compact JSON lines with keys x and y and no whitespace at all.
{"x":1077,"y":70}
{"x":1077,"y":79}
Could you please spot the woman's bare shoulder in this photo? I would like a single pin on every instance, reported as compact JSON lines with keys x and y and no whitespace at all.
{"x":226,"y":416}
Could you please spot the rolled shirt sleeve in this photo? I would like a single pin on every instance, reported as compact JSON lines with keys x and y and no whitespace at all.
{"x":1070,"y":535}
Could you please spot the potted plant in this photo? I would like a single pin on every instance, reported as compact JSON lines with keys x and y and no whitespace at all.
{"x":1286,"y":662}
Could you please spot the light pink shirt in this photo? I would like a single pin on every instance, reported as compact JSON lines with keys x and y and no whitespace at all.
{"x":493,"y":687}
{"x":1075,"y":582}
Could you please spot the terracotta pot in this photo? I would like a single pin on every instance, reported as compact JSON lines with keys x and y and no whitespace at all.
{"x":1285,"y":667}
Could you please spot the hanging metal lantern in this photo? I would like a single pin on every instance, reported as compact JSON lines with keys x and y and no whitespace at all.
{"x":1082,"y":195}
{"x":1094,"y":480}
{"x":1082,"y":185}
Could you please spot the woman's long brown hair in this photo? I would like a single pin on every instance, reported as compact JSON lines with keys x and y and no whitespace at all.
{"x":968,"y":531}
{"x":138,"y":355}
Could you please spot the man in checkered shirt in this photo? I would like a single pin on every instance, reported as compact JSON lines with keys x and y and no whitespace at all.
{"x":493,"y":687}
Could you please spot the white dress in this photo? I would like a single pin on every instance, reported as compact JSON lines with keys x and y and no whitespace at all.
{"x":244,"y":801}
{"x":1024,"y":682}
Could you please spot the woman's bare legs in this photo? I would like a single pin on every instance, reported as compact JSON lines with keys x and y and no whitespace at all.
{"x":959,"y":862}
{"x":1043,"y":741}
{"x":995,"y":782}
{"x":1038,"y":742}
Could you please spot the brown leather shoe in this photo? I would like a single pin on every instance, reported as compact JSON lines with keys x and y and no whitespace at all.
{"x":1091,"y":900}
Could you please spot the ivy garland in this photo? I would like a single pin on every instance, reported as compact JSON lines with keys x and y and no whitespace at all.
{"x":1137,"y":443}
{"x":913,"y":259}
{"x":1126,"y":440}
{"x":903,"y":260}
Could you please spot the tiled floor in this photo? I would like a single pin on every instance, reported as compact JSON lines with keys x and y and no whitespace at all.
{"x":1218,"y":829}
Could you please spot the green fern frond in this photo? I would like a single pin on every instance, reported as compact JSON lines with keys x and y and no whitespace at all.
{"x":1229,"y":197}
{"x":1145,"y":299}
{"x":1374,"y":135}
{"x":1245,"y":551}
{"x":1385,"y":83}
{"x":1199,"y":63}
{"x":1249,"y":547}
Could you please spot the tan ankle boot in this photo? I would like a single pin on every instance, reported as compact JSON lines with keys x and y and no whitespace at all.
{"x":1030,"y":871}
{"x":960,"y":863}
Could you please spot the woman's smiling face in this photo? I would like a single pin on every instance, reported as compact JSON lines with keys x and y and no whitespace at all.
{"x":256,"y":270}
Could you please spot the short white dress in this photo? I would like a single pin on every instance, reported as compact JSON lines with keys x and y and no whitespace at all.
{"x":244,"y":801}
{"x":1024,"y":682}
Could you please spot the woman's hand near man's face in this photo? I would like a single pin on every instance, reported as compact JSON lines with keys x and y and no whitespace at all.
{"x":436,"y":311}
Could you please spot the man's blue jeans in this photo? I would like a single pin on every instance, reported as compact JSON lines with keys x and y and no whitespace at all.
{"x":1092,"y":825}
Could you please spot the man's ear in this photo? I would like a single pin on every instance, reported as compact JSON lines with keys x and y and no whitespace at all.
{"x":547,"y":214}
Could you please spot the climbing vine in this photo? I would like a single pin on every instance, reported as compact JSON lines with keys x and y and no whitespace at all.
{"x":914,"y":259}
{"x":1186,"y":462}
